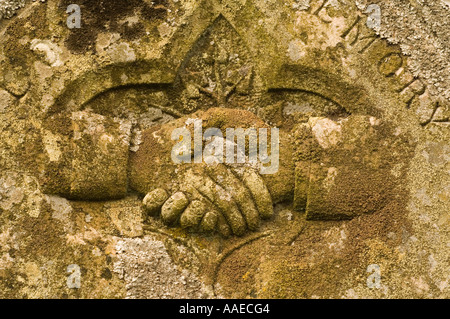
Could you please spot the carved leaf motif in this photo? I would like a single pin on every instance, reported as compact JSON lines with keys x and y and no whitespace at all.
{"x":218,"y":70}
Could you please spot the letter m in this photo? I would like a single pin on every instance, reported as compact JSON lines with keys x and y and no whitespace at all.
{"x":356,"y":37}
{"x":242,"y":136}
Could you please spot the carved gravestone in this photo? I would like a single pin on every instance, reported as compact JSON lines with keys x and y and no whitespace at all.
{"x":88,"y":177}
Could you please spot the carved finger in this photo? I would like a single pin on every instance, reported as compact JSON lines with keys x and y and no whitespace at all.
{"x":258,"y":189}
{"x":154,"y":200}
{"x":231,"y":184}
{"x":220,"y":198}
{"x":193,"y":215}
{"x":209,"y":222}
{"x":173,"y":207}
{"x":222,"y":226}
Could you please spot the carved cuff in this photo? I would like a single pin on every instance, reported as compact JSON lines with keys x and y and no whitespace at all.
{"x":343,"y":167}
{"x":88,"y":156}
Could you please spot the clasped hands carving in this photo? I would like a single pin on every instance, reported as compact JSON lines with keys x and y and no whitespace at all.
{"x":228,"y":198}
{"x":314,"y":159}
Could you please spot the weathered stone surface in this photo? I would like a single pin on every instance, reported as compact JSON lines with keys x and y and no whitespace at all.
{"x":363,"y":114}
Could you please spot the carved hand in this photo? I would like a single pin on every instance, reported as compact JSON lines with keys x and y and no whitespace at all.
{"x":206,"y":197}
